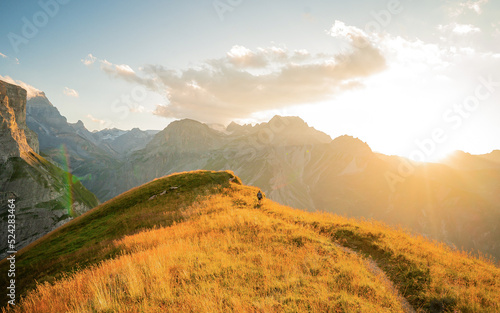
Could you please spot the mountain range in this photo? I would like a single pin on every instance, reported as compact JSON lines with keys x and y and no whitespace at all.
{"x":456,"y":201}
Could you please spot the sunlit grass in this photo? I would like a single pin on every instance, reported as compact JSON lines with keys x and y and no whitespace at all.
{"x":226,"y":253}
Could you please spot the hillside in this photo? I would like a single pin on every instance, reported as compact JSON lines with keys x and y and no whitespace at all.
{"x":200,"y":242}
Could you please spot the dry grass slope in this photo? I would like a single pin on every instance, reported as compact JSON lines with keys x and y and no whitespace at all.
{"x":223,"y":252}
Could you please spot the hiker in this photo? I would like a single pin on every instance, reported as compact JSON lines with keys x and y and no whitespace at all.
{"x":259,"y":196}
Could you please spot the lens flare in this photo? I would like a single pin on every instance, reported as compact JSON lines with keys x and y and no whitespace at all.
{"x":67,"y":180}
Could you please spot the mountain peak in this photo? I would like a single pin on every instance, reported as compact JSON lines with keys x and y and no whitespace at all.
{"x":291,"y":130}
{"x":33,"y":94}
{"x":79,"y":124}
{"x":234,"y":127}
{"x":184,"y":122}
{"x":290,"y":120}
{"x":351,"y":144}
{"x":186,"y":135}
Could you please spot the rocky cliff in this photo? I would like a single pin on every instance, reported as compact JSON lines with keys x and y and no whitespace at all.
{"x":45,"y":195}
{"x":16,"y":139}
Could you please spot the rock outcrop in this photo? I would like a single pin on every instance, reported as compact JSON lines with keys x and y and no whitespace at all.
{"x":45,"y":195}
{"x":16,"y":139}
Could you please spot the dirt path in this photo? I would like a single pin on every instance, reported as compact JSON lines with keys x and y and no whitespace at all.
{"x":377,"y":271}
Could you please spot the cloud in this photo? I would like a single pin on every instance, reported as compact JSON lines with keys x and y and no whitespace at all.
{"x":32,"y":92}
{"x":70,"y":92}
{"x":89,"y":59}
{"x":247,"y":81}
{"x":471,"y":5}
{"x":475,"y":6}
{"x":137,"y":109}
{"x":122,"y":70}
{"x":496,"y":29}
{"x":3,"y":56}
{"x":96,"y":120}
{"x":459,"y":29}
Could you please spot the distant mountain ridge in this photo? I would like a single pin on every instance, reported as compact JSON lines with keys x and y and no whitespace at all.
{"x":94,"y":157}
{"x":299,"y":166}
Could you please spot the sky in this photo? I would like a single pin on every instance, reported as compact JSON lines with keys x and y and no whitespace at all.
{"x":418,"y":79}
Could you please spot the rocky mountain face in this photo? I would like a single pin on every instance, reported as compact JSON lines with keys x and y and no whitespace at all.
{"x":16,"y":138}
{"x":296,"y":165}
{"x":45,"y":195}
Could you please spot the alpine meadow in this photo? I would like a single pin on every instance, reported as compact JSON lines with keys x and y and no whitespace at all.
{"x":250,"y":156}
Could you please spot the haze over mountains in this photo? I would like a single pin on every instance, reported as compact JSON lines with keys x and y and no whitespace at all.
{"x":456,"y":202}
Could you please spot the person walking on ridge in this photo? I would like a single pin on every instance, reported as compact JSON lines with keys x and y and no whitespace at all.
{"x":259,"y":196}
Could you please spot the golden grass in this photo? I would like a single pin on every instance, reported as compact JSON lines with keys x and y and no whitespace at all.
{"x":472,"y":284}
{"x":232,"y":255}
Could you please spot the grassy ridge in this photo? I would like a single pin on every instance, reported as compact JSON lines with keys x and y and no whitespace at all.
{"x":86,"y":240}
{"x":209,"y":247}
{"x":431,"y":276}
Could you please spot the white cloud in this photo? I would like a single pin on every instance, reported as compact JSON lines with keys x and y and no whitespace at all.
{"x":3,"y":56}
{"x":70,"y":92}
{"x":96,"y":120}
{"x":117,"y":70}
{"x":89,"y":59}
{"x":340,"y":29}
{"x":137,"y":109}
{"x":124,"y":68}
{"x":475,"y":6}
{"x":246,"y":81}
{"x":463,"y":29}
{"x":32,"y":92}
{"x":459,"y":29}
{"x":470,"y":5}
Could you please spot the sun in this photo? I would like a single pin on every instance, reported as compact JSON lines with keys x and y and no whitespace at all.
{"x":437,"y":156}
